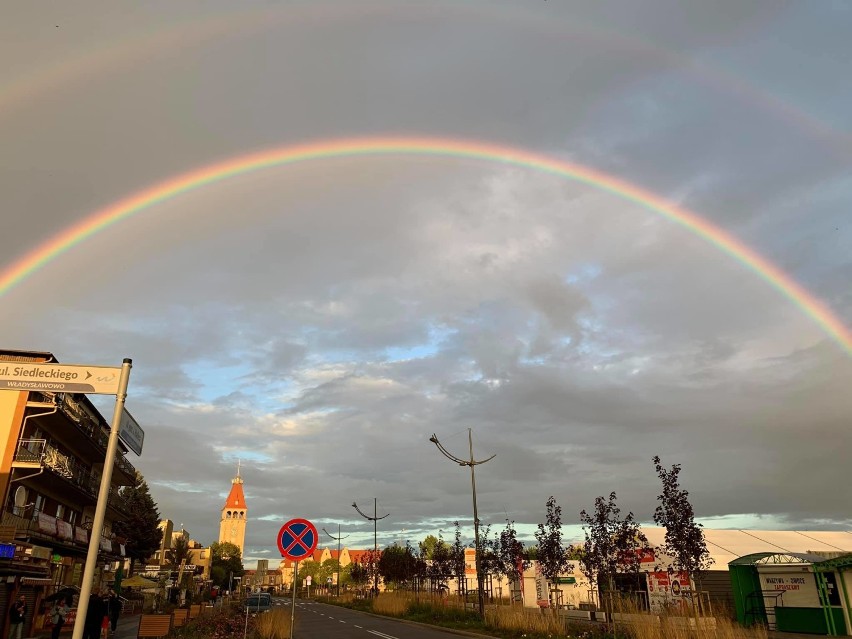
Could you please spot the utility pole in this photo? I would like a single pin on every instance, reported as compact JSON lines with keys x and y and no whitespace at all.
{"x":471,"y":462}
{"x":338,"y":538}
{"x":374,"y":519}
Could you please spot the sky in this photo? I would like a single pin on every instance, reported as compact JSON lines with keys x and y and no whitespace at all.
{"x":319,"y":320}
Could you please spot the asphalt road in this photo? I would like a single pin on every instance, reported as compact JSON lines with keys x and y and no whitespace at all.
{"x":321,"y":621}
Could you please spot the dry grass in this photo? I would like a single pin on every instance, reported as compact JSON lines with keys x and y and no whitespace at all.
{"x":517,"y":619}
{"x":639,"y":624}
{"x":633,"y":622}
{"x":395,"y":604}
{"x":274,"y":624}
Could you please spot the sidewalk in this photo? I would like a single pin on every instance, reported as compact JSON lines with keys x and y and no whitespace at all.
{"x":125,"y":629}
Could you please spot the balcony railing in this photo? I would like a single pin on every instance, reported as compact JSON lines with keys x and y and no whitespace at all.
{"x":47,"y":526}
{"x":92,"y":428}
{"x":32,"y":452}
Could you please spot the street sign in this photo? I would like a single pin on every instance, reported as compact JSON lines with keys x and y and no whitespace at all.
{"x":59,"y":378}
{"x":130,"y":432}
{"x":308,"y":580}
{"x":297,"y":539}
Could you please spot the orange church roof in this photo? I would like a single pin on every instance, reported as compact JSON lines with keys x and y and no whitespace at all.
{"x":236,"y":498}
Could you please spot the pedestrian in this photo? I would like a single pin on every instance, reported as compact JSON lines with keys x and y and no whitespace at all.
{"x":57,"y":616}
{"x":114,"y":608}
{"x":95,"y":612}
{"x":214,"y":593}
{"x":17,"y":614}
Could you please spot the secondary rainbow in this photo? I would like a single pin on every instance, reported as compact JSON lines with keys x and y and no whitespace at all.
{"x":437,"y":147}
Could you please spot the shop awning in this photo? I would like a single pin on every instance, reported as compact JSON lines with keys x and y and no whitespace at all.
{"x":36,"y":581}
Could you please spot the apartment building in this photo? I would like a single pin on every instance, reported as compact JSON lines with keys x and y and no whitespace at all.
{"x":52,"y":451}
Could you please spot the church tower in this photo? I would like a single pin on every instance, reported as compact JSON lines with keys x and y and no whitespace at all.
{"x":232,"y":526}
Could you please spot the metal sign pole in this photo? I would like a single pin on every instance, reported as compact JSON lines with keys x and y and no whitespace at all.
{"x":293,"y":610}
{"x":103,"y":496}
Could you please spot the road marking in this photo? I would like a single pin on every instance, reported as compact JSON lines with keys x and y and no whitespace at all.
{"x":341,"y":621}
{"x":381,"y":634}
{"x":357,"y":626}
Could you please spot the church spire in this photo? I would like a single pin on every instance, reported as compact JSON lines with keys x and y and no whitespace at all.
{"x":237,"y":479}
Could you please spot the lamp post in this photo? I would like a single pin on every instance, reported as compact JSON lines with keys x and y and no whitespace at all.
{"x":374,"y":519}
{"x":338,"y":538}
{"x":472,"y":463}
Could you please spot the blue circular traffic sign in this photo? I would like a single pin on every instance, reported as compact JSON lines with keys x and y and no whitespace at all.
{"x":297,"y":539}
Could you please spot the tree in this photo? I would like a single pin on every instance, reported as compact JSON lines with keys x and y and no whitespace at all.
{"x":225,"y":563}
{"x":329,"y":569}
{"x":140,"y":525}
{"x":684,"y":541}
{"x":510,"y":554}
{"x":551,"y":553}
{"x":612,"y":544}
{"x":489,"y":559}
{"x":371,"y":565}
{"x":428,"y":545}
{"x":398,"y":565}
{"x":457,"y":562}
{"x":358,"y":574}
{"x":440,"y":566}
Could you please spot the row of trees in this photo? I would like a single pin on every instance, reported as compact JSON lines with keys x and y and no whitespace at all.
{"x":614,"y":544}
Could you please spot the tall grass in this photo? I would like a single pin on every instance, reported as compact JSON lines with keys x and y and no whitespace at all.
{"x":632,"y":621}
{"x":519,"y":620}
{"x":274,"y":624}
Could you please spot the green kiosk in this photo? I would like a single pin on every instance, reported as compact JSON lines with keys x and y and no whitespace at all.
{"x":793,"y":592}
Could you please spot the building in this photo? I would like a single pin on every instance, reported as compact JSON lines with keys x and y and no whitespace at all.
{"x":198,"y":563}
{"x":53,"y":451}
{"x":232,"y":525}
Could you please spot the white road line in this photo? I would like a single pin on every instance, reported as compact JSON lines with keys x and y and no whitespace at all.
{"x":341,"y":621}
{"x":381,"y":634}
{"x":357,"y":626}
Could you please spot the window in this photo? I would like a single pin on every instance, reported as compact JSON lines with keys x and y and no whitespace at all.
{"x":60,"y":511}
{"x":39,"y":503}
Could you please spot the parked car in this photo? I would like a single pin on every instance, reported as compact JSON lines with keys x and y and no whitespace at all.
{"x":258,"y":602}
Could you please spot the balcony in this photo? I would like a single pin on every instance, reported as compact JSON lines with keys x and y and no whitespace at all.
{"x":43,"y":455}
{"x":44,"y":527}
{"x":36,"y":453}
{"x":89,"y":425}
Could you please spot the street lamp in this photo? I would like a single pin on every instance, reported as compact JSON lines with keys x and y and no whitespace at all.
{"x":374,"y":519}
{"x":338,"y":538}
{"x":471,"y":462}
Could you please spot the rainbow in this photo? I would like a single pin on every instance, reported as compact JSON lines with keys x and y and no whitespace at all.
{"x":437,"y":147}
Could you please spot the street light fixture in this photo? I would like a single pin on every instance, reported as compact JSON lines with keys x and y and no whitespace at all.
{"x":374,"y":519}
{"x":471,"y":462}
{"x":338,"y":538}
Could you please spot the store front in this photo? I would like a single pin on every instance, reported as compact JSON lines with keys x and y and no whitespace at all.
{"x":793,"y":592}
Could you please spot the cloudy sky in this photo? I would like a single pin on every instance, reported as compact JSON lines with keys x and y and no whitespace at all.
{"x":320,"y":320}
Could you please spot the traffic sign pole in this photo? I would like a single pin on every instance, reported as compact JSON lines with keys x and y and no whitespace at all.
{"x":103,"y":496}
{"x":296,"y":540}
{"x":293,"y":610}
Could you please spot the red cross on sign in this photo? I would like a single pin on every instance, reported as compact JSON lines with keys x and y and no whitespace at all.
{"x":297,"y":539}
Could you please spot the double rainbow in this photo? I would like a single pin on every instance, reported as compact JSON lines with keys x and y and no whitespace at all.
{"x":383,"y":146}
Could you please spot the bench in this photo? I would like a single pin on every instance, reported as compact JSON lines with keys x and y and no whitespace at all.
{"x":194,"y":611}
{"x":154,"y":626}
{"x":180,"y":617}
